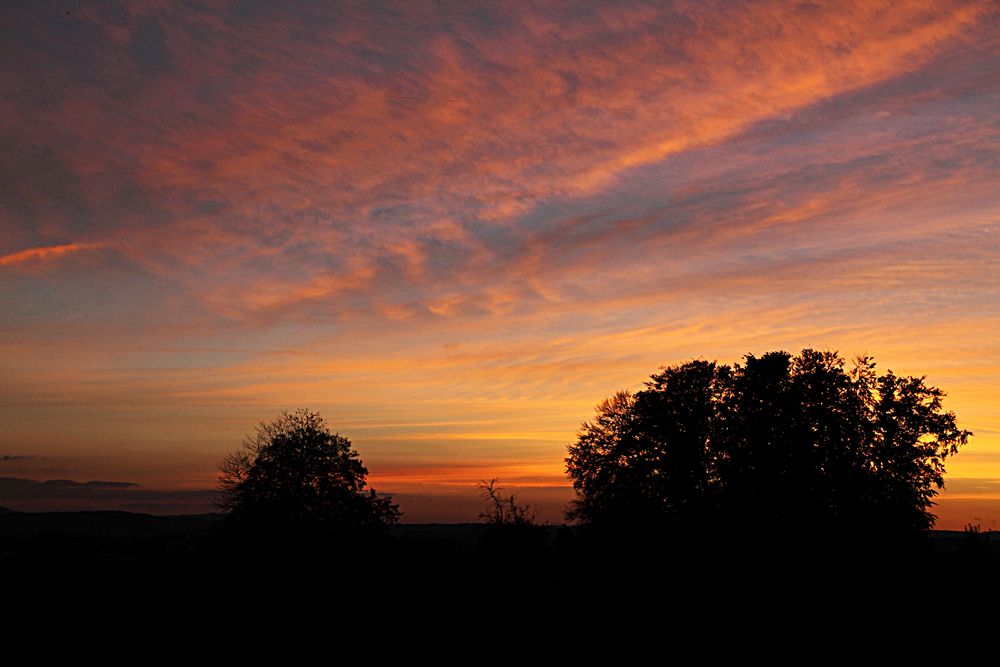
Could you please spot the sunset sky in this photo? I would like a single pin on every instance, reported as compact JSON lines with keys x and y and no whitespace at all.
{"x":453,"y":228}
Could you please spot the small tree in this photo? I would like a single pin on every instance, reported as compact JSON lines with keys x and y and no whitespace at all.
{"x":504,"y":510}
{"x":294,"y":475}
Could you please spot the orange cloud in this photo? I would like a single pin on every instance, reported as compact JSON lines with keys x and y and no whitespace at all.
{"x":45,"y":253}
{"x":362,"y":157}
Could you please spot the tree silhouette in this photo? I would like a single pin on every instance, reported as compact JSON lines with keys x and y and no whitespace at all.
{"x":777,"y":440}
{"x":294,"y":475}
{"x":503,"y":510}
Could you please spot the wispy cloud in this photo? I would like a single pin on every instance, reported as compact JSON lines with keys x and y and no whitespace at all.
{"x":63,"y":494}
{"x":393,"y":152}
{"x":45,"y":253}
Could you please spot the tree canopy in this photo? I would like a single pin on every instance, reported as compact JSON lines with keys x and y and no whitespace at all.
{"x":294,"y":473}
{"x":776,"y":440}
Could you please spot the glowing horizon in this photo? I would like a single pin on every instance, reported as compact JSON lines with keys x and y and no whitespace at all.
{"x":454,"y":230}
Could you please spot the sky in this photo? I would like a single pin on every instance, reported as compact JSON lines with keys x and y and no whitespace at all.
{"x":454,"y":228}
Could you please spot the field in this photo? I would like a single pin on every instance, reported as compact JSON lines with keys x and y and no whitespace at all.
{"x":168,"y":590}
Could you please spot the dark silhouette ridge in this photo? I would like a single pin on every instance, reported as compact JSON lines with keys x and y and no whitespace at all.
{"x":442,"y":591}
{"x":796,"y":450}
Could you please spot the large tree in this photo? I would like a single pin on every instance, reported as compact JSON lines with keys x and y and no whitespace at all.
{"x":777,"y":440}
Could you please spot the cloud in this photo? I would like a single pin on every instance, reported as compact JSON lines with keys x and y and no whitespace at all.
{"x":973,"y":487}
{"x":17,"y":487}
{"x":45,"y":253}
{"x":67,"y":484}
{"x":296,"y":158}
{"x":65,"y":495}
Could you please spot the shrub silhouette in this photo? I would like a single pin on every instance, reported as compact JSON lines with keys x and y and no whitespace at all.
{"x":503,"y":510}
{"x":513,"y":539}
{"x":777,"y":441}
{"x":293,"y":476}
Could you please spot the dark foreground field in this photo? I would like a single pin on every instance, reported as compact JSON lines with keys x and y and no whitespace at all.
{"x":139,"y":589}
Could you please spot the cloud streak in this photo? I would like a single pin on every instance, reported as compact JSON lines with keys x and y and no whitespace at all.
{"x":45,"y":253}
{"x":389,"y":147}
{"x":63,"y":494}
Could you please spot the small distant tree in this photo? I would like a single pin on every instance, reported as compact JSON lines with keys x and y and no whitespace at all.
{"x":779,"y":440}
{"x":504,"y":510}
{"x":294,"y":475}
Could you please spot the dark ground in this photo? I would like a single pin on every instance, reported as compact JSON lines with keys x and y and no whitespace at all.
{"x":140,"y":589}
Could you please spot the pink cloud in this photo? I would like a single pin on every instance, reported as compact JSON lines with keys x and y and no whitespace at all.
{"x":42,"y":254}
